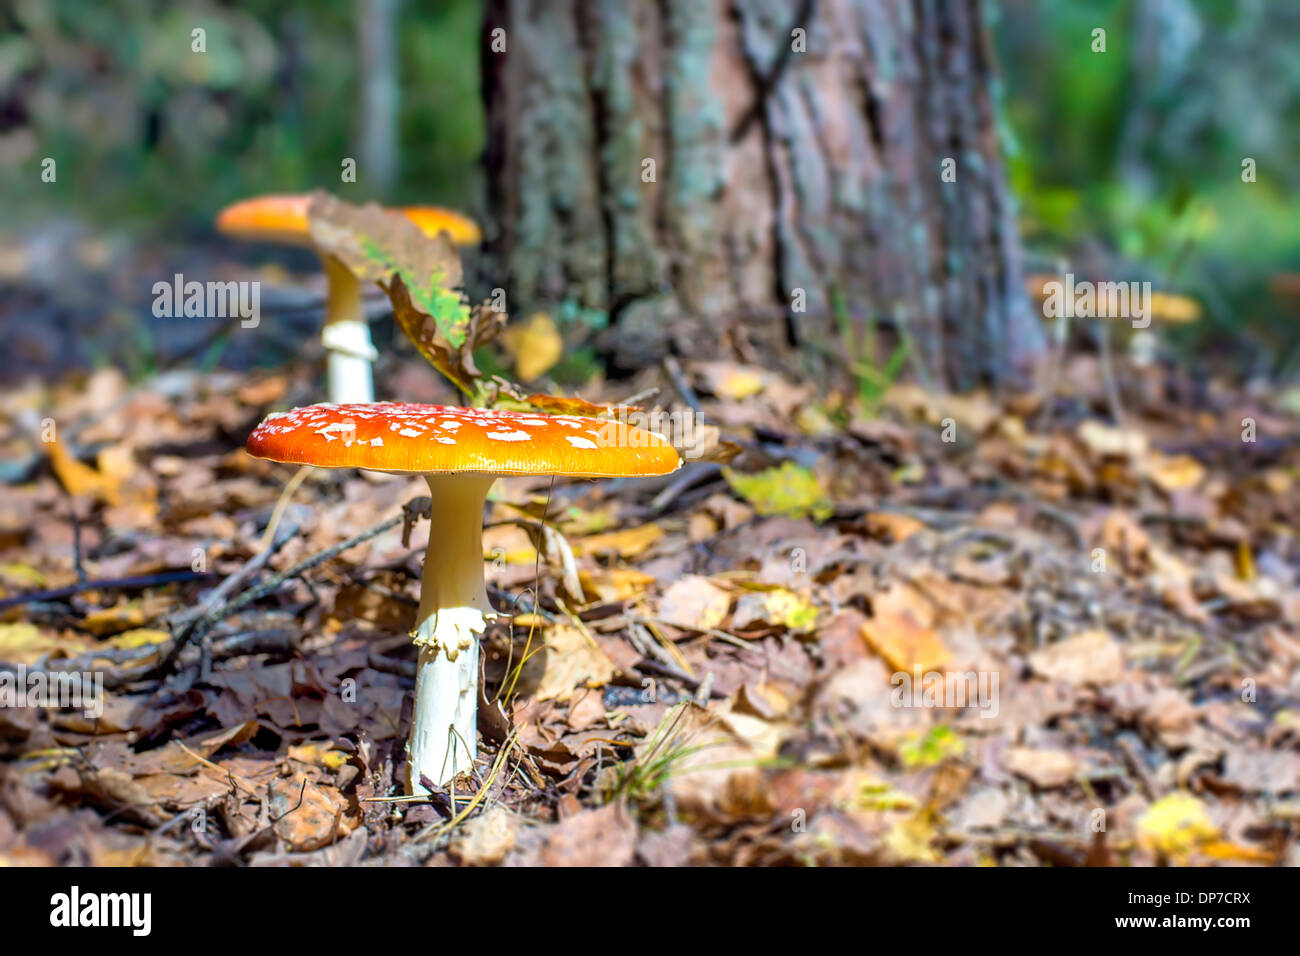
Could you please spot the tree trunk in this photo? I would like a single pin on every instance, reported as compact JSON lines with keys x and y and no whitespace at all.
{"x":721,"y":173}
{"x":377,"y":146}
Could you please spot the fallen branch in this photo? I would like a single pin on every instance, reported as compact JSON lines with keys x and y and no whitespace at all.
{"x":137,"y":583}
{"x":210,"y":603}
{"x":206,"y":622}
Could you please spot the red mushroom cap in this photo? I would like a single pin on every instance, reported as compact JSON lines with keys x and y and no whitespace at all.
{"x":395,"y":436}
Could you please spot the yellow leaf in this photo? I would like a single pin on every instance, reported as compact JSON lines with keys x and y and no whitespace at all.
{"x":1174,"y":472}
{"x":775,"y":605}
{"x":24,"y":643}
{"x":1223,"y":850}
{"x":509,"y":543}
{"x":918,"y":750}
{"x":23,"y":575}
{"x":732,"y":381}
{"x":1112,"y":442}
{"x":615,"y":584}
{"x":575,"y":522}
{"x":861,"y":791}
{"x":534,"y":344}
{"x":740,"y":383}
{"x":1175,"y":309}
{"x":1245,"y":561}
{"x":115,"y":466}
{"x":1175,"y":826}
{"x":139,"y":637}
{"x":910,"y":841}
{"x":110,"y":620}
{"x":627,"y":543}
{"x":790,"y":609}
{"x":318,"y":754}
{"x":789,"y":489}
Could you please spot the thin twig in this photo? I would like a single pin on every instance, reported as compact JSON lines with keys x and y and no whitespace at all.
{"x":137,"y":583}
{"x":212,"y":618}
{"x":233,"y":581}
{"x":268,"y":536}
{"x":674,"y":371}
{"x":707,"y":472}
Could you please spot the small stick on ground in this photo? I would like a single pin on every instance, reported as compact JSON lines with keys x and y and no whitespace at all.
{"x":205,"y":623}
{"x":674,"y":371}
{"x":246,"y":570}
{"x":137,"y":583}
{"x":268,"y":536}
{"x":76,"y":544}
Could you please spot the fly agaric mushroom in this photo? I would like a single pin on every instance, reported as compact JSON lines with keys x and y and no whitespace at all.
{"x":346,"y":335}
{"x":461,"y":452}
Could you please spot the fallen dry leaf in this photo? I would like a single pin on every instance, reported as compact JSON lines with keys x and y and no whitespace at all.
{"x":604,"y":837}
{"x":1045,"y":769}
{"x":899,"y":631}
{"x":485,"y":840}
{"x":308,"y":815}
{"x":694,"y":602}
{"x":1090,"y":657}
{"x":572,"y":660}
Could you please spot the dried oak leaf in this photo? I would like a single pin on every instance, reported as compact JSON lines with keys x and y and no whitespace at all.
{"x":1090,"y":657}
{"x":486,"y":839}
{"x":604,"y":837}
{"x":694,"y":602}
{"x":307,"y":815}
{"x":900,"y":630}
{"x":573,"y":660}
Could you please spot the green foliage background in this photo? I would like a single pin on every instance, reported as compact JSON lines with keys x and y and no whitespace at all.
{"x":149,"y":134}
{"x":1134,"y":153}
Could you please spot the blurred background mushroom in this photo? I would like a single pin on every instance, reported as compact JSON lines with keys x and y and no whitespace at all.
{"x":345,"y":332}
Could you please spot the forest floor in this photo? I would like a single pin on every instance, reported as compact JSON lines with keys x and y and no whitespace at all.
{"x":957,"y":630}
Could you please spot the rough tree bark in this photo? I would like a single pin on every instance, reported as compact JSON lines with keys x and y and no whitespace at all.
{"x":779,"y":165}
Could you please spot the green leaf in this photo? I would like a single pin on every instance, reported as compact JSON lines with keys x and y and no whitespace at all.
{"x":932,"y":748}
{"x":788,"y":489}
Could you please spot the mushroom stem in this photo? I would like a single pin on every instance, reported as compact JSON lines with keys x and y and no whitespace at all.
{"x":454,"y":611}
{"x":346,"y":337}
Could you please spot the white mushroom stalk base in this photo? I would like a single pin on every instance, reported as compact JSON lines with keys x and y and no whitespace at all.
{"x":454,"y":611}
{"x":350,"y":354}
{"x":346,"y":337}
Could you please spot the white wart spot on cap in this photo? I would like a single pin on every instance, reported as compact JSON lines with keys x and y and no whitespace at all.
{"x":577,"y":442}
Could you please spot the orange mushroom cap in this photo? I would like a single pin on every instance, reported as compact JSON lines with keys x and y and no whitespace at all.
{"x":402,"y":437}
{"x":268,"y":219}
{"x":283,"y":219}
{"x":434,"y":219}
